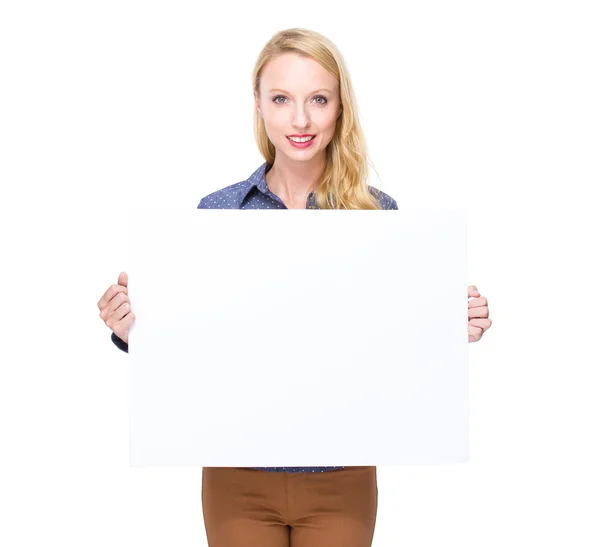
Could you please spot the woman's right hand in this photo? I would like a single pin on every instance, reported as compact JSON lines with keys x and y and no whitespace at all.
{"x":115,"y":308}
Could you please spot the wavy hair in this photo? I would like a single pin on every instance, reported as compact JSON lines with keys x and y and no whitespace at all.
{"x":343,"y":184}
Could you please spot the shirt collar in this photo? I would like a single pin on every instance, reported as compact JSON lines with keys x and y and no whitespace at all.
{"x":258,"y":179}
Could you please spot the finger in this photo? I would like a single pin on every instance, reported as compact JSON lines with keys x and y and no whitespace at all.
{"x":126,"y":321}
{"x":116,"y":301}
{"x":109,"y":295}
{"x":484,"y":324}
{"x":123,"y":279}
{"x":118,"y":314}
{"x":477,"y":302}
{"x":480,"y":311}
{"x":476,"y":332}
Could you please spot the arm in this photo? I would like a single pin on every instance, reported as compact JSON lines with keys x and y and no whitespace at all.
{"x":123,"y":346}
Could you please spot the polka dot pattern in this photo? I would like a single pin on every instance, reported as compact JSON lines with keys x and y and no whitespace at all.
{"x":253,"y":193}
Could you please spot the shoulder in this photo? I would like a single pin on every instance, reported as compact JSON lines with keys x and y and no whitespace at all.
{"x":229,"y":197}
{"x":386,"y":201}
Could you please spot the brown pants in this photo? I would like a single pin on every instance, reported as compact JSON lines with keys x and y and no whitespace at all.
{"x":255,"y":508}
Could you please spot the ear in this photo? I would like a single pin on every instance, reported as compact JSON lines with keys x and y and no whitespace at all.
{"x":257,"y":102}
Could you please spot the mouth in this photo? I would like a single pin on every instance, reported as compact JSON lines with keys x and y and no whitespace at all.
{"x":301,"y":137}
{"x":304,"y":144}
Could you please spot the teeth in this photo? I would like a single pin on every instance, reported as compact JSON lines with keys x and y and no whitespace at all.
{"x":298,"y":139}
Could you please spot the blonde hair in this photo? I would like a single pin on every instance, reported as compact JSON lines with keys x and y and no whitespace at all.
{"x":343,"y":184}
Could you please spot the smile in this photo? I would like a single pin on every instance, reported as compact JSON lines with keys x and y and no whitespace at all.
{"x":303,"y":142}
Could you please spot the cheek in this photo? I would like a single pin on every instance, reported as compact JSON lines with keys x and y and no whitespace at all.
{"x":275,"y":131}
{"x":327,"y":120}
{"x":275,"y":120}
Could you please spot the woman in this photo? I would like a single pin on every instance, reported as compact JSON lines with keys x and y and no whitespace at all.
{"x":307,"y":129}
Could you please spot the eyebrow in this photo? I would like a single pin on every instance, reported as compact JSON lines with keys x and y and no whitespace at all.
{"x":315,"y":91}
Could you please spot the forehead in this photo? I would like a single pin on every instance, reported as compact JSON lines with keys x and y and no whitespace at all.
{"x":291,"y":71}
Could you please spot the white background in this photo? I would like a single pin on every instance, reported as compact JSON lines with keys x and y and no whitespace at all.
{"x":492,"y":107}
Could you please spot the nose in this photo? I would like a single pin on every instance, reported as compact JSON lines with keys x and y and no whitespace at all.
{"x":300,"y":118}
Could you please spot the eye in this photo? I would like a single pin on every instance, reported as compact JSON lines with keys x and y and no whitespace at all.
{"x":323,"y":102}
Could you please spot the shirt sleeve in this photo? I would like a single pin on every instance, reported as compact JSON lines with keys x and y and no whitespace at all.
{"x":389,"y":203}
{"x":123,"y":346}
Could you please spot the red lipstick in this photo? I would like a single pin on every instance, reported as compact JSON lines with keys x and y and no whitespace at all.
{"x":301,"y":144}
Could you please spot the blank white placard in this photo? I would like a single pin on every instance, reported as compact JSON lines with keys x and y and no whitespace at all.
{"x":298,"y":338}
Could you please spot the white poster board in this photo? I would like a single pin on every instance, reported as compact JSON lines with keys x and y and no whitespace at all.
{"x":298,"y":338}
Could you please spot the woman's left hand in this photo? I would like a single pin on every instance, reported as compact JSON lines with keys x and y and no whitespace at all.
{"x":478,"y":315}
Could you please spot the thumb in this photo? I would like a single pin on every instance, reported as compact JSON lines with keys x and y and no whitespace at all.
{"x":123,"y":279}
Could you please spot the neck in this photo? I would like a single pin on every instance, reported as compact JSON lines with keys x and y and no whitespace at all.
{"x":294,"y":180}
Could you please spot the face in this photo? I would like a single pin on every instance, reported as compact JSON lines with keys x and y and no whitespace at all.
{"x":298,"y":96}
